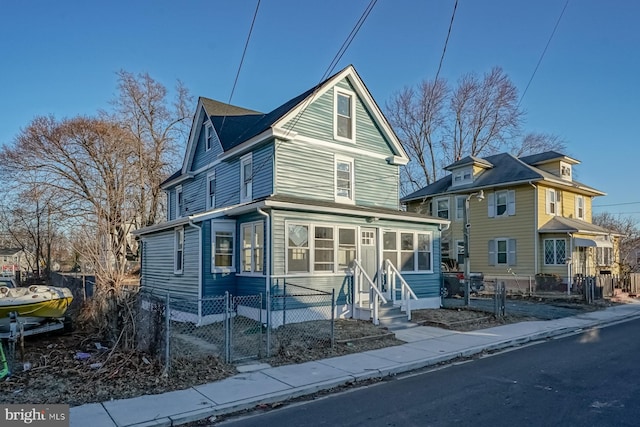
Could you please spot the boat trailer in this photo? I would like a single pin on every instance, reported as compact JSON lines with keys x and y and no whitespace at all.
{"x":17,"y":332}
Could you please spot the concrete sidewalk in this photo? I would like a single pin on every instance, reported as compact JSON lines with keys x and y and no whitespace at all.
{"x":424,"y":346}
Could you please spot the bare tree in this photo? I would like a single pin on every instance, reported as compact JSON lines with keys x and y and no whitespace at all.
{"x":533,"y":143}
{"x":157,"y":128}
{"x":418,"y":117}
{"x":87,"y":161}
{"x":478,"y":117}
{"x":629,"y":234}
{"x":486,"y":114}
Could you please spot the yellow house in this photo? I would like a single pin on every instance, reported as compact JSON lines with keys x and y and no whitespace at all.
{"x":526,"y":216}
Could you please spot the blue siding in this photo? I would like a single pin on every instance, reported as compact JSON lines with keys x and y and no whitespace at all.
{"x":262,"y":171}
{"x":201,"y":156}
{"x":213,"y":283}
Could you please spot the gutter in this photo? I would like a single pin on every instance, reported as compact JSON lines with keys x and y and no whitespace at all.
{"x":199,"y":228}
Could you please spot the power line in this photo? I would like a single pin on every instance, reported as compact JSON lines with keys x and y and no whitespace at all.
{"x":330,"y":68}
{"x":543,"y":52}
{"x":244,"y":52}
{"x":446,"y":42}
{"x":617,"y":204}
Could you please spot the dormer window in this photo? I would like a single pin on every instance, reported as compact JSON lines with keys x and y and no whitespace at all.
{"x":565,"y":171}
{"x":344,"y":123}
{"x":462,"y":176}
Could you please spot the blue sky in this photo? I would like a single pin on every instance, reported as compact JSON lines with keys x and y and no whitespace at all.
{"x":61,"y":57}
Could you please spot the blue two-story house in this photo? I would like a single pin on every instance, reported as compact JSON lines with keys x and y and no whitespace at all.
{"x":306,"y":194}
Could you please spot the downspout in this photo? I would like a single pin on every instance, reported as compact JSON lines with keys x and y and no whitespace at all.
{"x":199,"y":228}
{"x":267,"y":264}
{"x":535,"y":228}
{"x":570,"y":265}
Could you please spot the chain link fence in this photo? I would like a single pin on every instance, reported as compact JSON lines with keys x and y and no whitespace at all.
{"x":292,"y":319}
{"x":301,"y":319}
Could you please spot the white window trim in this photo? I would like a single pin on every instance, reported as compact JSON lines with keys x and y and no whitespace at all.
{"x":344,"y":159}
{"x":460,"y":214}
{"x":253,"y":247}
{"x":399,"y":250}
{"x":555,"y":254}
{"x":211,"y":176}
{"x":457,"y":248}
{"x":208,"y":136}
{"x":178,"y":239}
{"x":436,"y":207}
{"x":224,"y":226}
{"x":458,"y":177}
{"x":311,"y":247}
{"x":578,"y":200}
{"x":549,"y":203}
{"x":339,"y":91}
{"x":247,"y":158}
{"x":177,"y":212}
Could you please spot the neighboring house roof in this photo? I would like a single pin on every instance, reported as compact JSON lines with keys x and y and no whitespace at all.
{"x":469,"y":160}
{"x":547,"y":156}
{"x":560,"y":224}
{"x":504,"y":170}
{"x":9,"y":251}
{"x":300,"y":204}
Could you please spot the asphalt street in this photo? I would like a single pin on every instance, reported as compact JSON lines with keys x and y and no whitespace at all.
{"x":588,"y":379}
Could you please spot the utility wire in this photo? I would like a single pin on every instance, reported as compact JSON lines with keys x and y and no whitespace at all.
{"x":244,"y":52}
{"x":543,"y":52}
{"x":617,"y":204}
{"x":327,"y":73}
{"x":446,"y":42}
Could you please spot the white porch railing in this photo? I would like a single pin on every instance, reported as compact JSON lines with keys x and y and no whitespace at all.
{"x":406,"y":293}
{"x":360,"y":277}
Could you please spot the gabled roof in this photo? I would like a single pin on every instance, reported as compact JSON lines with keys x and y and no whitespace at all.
{"x":560,"y":224}
{"x":235,"y":125}
{"x":238,"y":127}
{"x":506,"y":170}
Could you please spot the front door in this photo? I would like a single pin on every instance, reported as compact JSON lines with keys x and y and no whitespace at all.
{"x":368,"y":259}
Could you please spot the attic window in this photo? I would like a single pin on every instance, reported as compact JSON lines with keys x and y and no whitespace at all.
{"x":566,"y":171}
{"x":344,"y":125}
{"x":208,"y":133}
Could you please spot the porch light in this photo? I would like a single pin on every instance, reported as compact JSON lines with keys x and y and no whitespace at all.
{"x":467,"y":225}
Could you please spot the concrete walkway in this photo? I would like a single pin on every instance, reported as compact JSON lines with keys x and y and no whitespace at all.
{"x":424,"y":346}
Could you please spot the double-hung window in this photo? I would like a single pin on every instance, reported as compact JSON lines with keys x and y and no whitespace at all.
{"x":502,"y":252}
{"x":460,"y":202}
{"x":324,"y":249}
{"x":580,"y":207}
{"x":208,"y":134}
{"x":501,"y":203}
{"x":344,"y":179}
{"x":211,"y":190}
{"x":298,"y":248}
{"x":552,"y":201}
{"x":246,"y":178}
{"x":178,"y":250}
{"x":555,"y":251}
{"x":253,"y":247}
{"x":222,"y":238}
{"x":179,"y":202}
{"x":442,"y":208}
{"x":344,"y":126}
